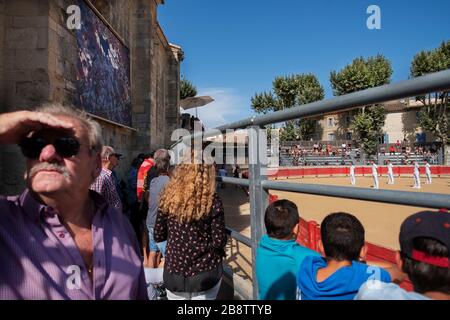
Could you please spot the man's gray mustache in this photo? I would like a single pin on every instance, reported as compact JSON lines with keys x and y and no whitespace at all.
{"x":48,"y":166}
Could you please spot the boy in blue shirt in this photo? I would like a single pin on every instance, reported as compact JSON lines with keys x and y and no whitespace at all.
{"x":278,"y":255}
{"x":341,"y":273}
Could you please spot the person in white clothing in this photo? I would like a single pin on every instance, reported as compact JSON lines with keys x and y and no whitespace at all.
{"x":352,"y":174}
{"x":416,"y":175}
{"x":390,"y":168}
{"x":374,"y":174}
{"x":428,"y":172}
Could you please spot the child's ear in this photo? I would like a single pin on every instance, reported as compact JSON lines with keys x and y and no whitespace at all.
{"x":295,"y":230}
{"x":399,"y":261}
{"x":363,"y":253}
{"x":320,"y":246}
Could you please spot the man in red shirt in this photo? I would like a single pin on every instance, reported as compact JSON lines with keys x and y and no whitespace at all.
{"x":142,"y":172}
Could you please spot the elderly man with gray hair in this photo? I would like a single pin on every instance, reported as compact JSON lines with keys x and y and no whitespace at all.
{"x":157,"y":184}
{"x":58,"y":239}
{"x":105,"y":182}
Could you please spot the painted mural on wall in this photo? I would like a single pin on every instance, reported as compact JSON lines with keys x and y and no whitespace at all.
{"x":103,"y":70}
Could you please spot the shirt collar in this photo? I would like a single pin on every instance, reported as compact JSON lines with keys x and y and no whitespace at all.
{"x":35,"y":209}
{"x":107,"y":171}
{"x":31,"y":206}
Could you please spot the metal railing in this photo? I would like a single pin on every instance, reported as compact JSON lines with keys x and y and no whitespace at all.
{"x":259,"y":184}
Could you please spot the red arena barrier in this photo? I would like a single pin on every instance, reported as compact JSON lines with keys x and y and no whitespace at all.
{"x":296,"y":172}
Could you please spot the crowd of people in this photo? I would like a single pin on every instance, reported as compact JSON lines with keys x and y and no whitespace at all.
{"x":321,"y":149}
{"x":404,"y":152}
{"x":406,"y":149}
{"x":76,"y":232}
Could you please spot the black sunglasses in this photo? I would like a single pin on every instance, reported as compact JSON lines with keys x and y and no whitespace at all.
{"x":65,"y":146}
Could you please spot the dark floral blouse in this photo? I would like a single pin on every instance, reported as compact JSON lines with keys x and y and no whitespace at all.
{"x":193,"y":247}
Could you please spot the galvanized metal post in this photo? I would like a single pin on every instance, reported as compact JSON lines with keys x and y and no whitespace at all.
{"x":259,"y":197}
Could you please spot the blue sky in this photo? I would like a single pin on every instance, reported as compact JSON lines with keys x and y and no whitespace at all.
{"x":235,"y":48}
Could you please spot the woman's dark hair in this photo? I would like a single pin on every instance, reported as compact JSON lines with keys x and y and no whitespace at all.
{"x":426,"y":277}
{"x":280,"y":218}
{"x":342,"y":236}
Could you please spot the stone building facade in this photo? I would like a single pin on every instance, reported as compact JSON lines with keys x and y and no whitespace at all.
{"x":401,"y":124}
{"x":38,"y":55}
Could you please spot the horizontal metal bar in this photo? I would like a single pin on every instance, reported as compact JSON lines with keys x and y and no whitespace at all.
{"x":236,"y":181}
{"x":239,"y":237}
{"x":422,"y":199}
{"x":433,"y":82}
{"x":438,"y":81}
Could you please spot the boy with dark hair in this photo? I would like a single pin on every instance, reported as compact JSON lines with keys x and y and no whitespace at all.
{"x":341,"y":273}
{"x":424,"y":256}
{"x":278,"y":255}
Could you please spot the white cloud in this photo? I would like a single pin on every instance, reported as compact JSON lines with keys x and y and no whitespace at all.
{"x":228,"y":106}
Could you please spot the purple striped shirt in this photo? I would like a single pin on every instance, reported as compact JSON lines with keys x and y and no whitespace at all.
{"x":39,"y":258}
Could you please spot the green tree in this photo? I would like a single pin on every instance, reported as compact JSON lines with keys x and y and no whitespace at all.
{"x":434,"y":116}
{"x":290,"y":91}
{"x":187,"y":89}
{"x":361,"y":74}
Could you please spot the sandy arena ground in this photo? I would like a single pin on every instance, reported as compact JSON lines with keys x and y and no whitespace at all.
{"x":381,"y":221}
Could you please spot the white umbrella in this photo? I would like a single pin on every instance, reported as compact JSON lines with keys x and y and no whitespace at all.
{"x":194,"y":102}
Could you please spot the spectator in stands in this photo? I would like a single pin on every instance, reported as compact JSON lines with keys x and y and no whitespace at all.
{"x":392,"y":150}
{"x":408,"y":151}
{"x":191,"y":219}
{"x":315,"y":148}
{"x":347,"y":154}
{"x":58,"y":239}
{"x":278,"y":255}
{"x":424,"y":256}
{"x":329,"y":149}
{"x":105,"y":184}
{"x":295,"y":153}
{"x":341,"y":273}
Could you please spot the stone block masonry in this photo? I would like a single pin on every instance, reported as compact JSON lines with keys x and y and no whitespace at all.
{"x":38,"y":61}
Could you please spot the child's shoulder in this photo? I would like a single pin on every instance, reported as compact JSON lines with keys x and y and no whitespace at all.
{"x":370,"y":271}
{"x":305,"y":250}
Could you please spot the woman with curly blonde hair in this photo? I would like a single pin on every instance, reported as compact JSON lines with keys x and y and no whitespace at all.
{"x":191,"y":219}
